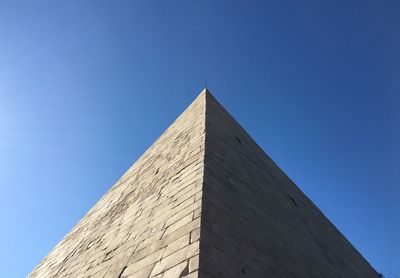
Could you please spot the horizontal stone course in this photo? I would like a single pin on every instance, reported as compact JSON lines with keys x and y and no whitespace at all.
{"x":177,"y":257}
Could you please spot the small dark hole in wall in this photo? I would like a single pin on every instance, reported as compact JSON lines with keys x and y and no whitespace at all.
{"x":293,"y":201}
{"x":243,"y":270}
{"x":240,"y":142}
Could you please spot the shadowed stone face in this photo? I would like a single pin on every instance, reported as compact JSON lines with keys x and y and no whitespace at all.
{"x":204,"y":201}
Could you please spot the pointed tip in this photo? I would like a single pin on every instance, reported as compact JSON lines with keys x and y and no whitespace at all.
{"x":205,"y":91}
{"x":206,"y":94}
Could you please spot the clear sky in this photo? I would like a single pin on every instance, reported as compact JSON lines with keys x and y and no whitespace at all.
{"x":87,"y":86}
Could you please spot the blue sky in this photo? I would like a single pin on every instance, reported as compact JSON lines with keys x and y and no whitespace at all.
{"x":87,"y":86}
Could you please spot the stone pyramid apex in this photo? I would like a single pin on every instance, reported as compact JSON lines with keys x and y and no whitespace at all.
{"x":204,"y":93}
{"x":204,"y":201}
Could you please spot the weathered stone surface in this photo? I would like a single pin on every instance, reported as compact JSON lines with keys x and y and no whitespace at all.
{"x":204,"y":201}
{"x":147,"y":217}
{"x":177,"y":271}
{"x":255,"y":221}
{"x":194,"y":263}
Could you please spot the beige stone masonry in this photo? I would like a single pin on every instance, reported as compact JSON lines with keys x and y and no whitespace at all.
{"x":146,"y":217}
{"x":204,"y":201}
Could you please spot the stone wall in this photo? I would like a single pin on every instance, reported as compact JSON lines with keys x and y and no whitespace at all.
{"x":148,"y":223}
{"x":204,"y":201}
{"x":256,"y":222}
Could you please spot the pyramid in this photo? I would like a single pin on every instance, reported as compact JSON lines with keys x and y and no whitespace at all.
{"x":204,"y":201}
